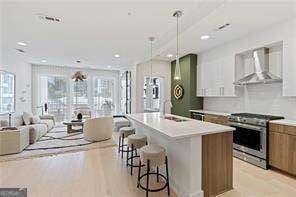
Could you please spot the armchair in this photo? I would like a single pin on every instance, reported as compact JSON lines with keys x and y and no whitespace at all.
{"x":98,"y":129}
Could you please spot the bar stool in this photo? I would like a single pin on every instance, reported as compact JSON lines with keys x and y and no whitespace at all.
{"x":153,"y":156}
{"x":135,"y":142}
{"x":124,"y":132}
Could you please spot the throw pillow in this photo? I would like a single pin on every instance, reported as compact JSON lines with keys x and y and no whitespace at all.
{"x":36,"y":119}
{"x":27,"y":118}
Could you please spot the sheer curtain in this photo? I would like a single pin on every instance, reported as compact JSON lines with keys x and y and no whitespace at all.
{"x":53,"y":85}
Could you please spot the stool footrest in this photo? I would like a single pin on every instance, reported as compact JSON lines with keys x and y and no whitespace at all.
{"x":153,"y":190}
{"x":132,"y":165}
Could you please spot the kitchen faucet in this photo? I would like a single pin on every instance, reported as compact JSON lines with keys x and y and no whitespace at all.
{"x":164,"y":103}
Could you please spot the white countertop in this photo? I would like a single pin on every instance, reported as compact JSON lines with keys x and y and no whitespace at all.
{"x":284,"y":122}
{"x":210,"y":112}
{"x":177,"y":130}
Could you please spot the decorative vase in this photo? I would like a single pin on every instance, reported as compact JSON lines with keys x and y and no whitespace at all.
{"x":79,"y":116}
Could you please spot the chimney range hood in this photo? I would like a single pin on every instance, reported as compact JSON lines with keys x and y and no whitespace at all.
{"x":261,"y":73}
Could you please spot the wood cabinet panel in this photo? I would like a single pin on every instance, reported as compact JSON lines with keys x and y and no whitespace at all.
{"x":286,"y":129}
{"x":282,"y":151}
{"x":223,"y":120}
{"x":217,"y":163}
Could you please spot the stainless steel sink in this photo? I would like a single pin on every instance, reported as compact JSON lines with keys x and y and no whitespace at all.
{"x":175,"y":119}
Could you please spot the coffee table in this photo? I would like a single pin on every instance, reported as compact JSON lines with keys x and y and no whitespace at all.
{"x":71,"y":124}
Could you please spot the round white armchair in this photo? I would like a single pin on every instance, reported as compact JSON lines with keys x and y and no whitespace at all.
{"x":98,"y":129}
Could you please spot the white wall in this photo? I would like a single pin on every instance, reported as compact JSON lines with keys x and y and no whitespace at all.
{"x":266,"y":99}
{"x":159,"y":69}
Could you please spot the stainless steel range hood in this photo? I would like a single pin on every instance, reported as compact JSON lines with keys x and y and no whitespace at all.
{"x":261,"y":74}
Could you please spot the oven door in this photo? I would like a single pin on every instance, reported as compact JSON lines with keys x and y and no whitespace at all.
{"x":249,"y":139}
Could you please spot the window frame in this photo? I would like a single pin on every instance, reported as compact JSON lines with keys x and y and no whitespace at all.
{"x":14,"y":92}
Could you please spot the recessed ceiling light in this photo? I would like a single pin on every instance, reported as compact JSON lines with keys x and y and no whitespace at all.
{"x":108,"y":66}
{"x":22,"y":43}
{"x":117,"y":55}
{"x":204,"y":37}
{"x":78,"y":61}
{"x":170,"y":55}
{"x":43,"y":61}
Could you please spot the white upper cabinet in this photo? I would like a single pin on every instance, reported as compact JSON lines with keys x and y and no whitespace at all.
{"x":289,"y":67}
{"x":215,"y":78}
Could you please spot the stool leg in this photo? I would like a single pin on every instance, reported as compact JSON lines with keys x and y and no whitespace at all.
{"x":132,"y":159}
{"x":157,"y":171}
{"x":148,"y":171}
{"x":119,"y":144}
{"x":127,"y":155}
{"x":139,"y":174}
{"x":122,"y":143}
{"x":167,"y":175}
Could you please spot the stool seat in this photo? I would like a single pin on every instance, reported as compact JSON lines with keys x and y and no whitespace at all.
{"x":126,"y":131}
{"x":153,"y":156}
{"x":137,"y":140}
{"x":154,"y":153}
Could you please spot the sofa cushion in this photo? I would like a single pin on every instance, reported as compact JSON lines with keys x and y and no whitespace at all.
{"x":3,"y":123}
{"x":48,"y":122}
{"x":37,"y":131}
{"x":35,"y":119}
{"x":27,"y":118}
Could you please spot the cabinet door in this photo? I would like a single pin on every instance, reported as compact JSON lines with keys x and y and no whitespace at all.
{"x":210,"y":78}
{"x":282,"y":152}
{"x":289,"y":62}
{"x":226,"y":73}
{"x":205,"y":79}
{"x":216,"y":78}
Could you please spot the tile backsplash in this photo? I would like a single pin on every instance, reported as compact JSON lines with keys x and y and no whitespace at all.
{"x":256,"y":98}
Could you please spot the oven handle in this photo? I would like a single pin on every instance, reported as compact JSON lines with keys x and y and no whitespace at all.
{"x":235,"y":124}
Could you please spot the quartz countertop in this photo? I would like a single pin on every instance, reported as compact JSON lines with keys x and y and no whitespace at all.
{"x":210,"y":112}
{"x":284,"y":122}
{"x":177,"y":130}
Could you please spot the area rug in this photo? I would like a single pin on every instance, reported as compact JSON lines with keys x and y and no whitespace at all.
{"x":58,"y":141}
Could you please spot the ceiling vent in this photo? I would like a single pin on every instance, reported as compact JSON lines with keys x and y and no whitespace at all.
{"x":20,"y":50}
{"x":49,"y":18}
{"x":221,"y":27}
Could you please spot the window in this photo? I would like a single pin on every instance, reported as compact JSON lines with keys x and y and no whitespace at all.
{"x":54,"y":92}
{"x":7,"y":92}
{"x":80,"y":96}
{"x":103,"y":93}
{"x":152,"y":94}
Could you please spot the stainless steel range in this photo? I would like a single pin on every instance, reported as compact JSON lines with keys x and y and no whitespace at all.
{"x":250,"y":139}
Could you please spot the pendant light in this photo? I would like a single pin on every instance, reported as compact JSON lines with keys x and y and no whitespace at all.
{"x":151,"y":40}
{"x":177,"y":75}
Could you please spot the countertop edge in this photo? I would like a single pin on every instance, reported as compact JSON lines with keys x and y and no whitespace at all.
{"x":183,"y":137}
{"x":284,"y":122}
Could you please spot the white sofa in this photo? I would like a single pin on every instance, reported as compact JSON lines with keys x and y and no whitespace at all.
{"x":38,"y":130}
{"x":14,"y":141}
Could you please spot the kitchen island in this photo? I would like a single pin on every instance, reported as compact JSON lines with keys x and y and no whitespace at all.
{"x":199,"y":153}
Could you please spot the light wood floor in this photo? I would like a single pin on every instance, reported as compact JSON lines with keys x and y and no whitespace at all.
{"x":102,"y":173}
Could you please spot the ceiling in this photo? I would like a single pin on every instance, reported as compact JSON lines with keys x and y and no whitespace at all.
{"x":94,"y":31}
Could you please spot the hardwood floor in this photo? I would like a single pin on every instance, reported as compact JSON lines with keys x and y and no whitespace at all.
{"x":101,"y":172}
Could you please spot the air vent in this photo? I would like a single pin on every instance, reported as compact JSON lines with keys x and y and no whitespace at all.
{"x":20,"y":50}
{"x":49,"y":18}
{"x":221,"y":27}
